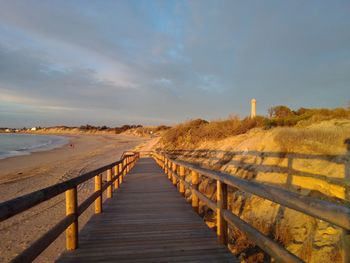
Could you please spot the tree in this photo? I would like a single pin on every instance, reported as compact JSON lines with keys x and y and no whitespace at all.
{"x":280,"y":111}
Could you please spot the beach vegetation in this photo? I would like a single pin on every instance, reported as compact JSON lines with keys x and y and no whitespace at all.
{"x":193,"y":132}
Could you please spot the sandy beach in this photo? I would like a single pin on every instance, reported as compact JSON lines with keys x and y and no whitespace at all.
{"x":25,"y":174}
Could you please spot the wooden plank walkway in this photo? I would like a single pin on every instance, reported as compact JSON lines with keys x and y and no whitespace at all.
{"x":147,"y":220}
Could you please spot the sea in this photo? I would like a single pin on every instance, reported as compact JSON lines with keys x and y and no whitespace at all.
{"x":13,"y":144}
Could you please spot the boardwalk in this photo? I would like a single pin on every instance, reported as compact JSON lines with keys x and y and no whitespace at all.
{"x":147,"y":221}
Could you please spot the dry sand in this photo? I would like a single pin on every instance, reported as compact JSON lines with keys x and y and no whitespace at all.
{"x":25,"y":174}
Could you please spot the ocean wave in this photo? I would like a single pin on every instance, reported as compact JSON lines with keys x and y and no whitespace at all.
{"x":4,"y":155}
{"x":36,"y":146}
{"x":42,"y":143}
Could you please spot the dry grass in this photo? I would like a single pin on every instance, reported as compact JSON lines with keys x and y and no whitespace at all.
{"x":317,"y":140}
{"x":193,"y":132}
{"x":283,"y":233}
{"x":336,"y":255}
{"x":243,"y":248}
{"x":148,"y":131}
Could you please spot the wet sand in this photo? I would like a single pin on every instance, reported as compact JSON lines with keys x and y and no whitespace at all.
{"x":24,"y":174}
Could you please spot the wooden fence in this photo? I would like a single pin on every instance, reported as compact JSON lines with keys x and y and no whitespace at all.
{"x":333,"y":213}
{"x":115,"y":173}
{"x":285,"y":165}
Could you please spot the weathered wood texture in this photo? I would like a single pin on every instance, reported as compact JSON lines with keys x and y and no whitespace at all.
{"x":147,"y":220}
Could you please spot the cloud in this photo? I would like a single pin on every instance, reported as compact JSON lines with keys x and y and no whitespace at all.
{"x":33,"y":77}
{"x":171,"y":60}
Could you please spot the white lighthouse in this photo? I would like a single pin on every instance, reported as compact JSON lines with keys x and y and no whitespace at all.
{"x":253,"y":108}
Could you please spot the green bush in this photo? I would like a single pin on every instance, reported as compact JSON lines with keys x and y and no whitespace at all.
{"x":280,"y":111}
{"x":283,"y":116}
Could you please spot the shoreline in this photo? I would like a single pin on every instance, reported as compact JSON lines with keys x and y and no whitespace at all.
{"x":58,"y":142}
{"x":12,"y":164}
{"x":24,"y":166}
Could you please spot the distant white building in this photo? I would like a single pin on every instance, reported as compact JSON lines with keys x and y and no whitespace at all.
{"x":33,"y":129}
{"x":7,"y":130}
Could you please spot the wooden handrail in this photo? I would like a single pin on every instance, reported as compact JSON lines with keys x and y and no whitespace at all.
{"x":17,"y":205}
{"x":340,"y":159}
{"x":70,"y":222}
{"x":331,"y":212}
{"x":288,"y":170}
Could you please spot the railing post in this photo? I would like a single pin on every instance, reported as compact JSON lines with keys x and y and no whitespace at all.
{"x":121,"y":174}
{"x":195,"y":200}
{"x":169,"y":169}
{"x":127,"y":164}
{"x":165,"y":165}
{"x":71,"y":209}
{"x":182,"y":177}
{"x":116,"y":171}
{"x":98,"y":187}
{"x":221,"y":197}
{"x":124,"y":166}
{"x":174,"y":177}
{"x":109,"y":179}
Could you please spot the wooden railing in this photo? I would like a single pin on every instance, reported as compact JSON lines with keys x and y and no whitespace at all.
{"x":115,"y":173}
{"x":333,"y":213}
{"x":286,"y":165}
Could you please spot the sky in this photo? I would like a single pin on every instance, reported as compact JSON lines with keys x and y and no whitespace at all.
{"x":163,"y":62}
